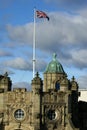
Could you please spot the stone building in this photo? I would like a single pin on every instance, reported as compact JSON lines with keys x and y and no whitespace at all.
{"x":52,"y":104}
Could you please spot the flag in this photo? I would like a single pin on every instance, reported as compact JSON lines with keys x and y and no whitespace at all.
{"x":41,"y":14}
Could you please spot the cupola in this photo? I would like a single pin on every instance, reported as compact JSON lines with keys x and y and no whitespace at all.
{"x":54,"y":66}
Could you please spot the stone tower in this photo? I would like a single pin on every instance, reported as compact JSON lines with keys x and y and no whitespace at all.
{"x":60,"y":99}
{"x":52,"y":104}
{"x":37,"y":101}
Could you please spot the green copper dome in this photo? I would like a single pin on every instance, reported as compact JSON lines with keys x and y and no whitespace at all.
{"x":54,"y":66}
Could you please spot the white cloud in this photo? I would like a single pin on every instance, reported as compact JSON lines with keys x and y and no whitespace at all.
{"x":62,"y":28}
{"x":82,"y":81}
{"x":79,"y":57}
{"x":22,"y":64}
{"x":64,"y":34}
{"x":40,"y":65}
{"x":18,"y":63}
{"x":69,"y":4}
{"x":5,"y":53}
{"x":21,"y":34}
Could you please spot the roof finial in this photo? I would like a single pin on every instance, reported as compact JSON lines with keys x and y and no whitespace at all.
{"x":73,"y":78}
{"x":6,"y":74}
{"x":54,"y":56}
{"x":37,"y":74}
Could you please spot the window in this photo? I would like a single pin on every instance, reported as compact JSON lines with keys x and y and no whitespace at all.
{"x":57,"y":86}
{"x":19,"y":114}
{"x":51,"y":114}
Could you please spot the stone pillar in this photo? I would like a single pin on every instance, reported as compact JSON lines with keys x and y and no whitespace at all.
{"x":36,"y":99}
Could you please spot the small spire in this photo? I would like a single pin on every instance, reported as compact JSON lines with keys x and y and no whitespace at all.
{"x":6,"y":74}
{"x":54,"y":56}
{"x":73,"y":78}
{"x":37,"y":74}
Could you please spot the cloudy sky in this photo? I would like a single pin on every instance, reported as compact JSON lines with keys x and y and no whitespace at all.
{"x":65,"y":34}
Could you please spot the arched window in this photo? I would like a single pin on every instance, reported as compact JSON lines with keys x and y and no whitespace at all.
{"x":57,"y":85}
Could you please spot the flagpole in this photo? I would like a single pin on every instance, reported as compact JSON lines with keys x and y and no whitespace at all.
{"x":34,"y":40}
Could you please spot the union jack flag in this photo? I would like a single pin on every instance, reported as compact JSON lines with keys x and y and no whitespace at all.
{"x":41,"y":14}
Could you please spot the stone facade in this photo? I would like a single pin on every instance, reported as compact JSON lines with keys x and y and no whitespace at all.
{"x":52,"y":104}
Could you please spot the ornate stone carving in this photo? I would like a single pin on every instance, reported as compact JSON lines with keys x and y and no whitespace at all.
{"x":57,"y":118}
